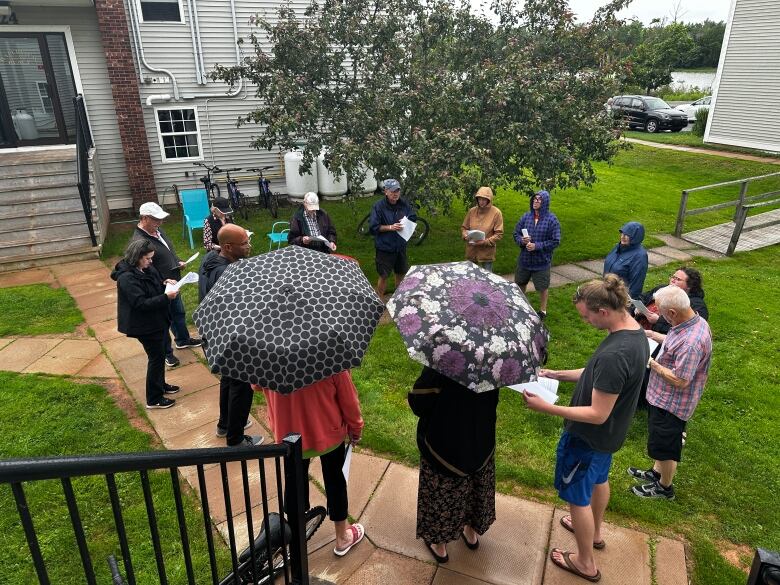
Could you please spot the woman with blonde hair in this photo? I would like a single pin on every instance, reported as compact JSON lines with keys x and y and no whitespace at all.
{"x":487,"y":219}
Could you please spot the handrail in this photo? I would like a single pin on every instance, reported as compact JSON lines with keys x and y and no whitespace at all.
{"x":19,"y":472}
{"x":83,"y":143}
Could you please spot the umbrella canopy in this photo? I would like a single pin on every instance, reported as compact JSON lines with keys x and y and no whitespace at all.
{"x":288,"y":318}
{"x":469,"y":324}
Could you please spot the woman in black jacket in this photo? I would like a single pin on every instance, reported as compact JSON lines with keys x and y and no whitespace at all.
{"x":456,"y":435}
{"x":142,"y":307}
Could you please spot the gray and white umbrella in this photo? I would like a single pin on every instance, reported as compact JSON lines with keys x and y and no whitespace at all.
{"x":288,"y":318}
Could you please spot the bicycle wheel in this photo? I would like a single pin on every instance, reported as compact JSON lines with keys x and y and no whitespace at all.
{"x":273,"y":204}
{"x":243,"y":208}
{"x":362,"y":228}
{"x":420,"y":232}
{"x":314,"y":519}
{"x":213,"y":193}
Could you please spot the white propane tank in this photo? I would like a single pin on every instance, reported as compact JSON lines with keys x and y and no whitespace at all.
{"x":368,"y":186}
{"x":24,"y":124}
{"x":297,"y":184}
{"x":332,"y":188}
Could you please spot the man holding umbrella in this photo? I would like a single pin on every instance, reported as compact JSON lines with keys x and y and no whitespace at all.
{"x":235,"y":396}
{"x":384,"y":225}
{"x":598,"y":418}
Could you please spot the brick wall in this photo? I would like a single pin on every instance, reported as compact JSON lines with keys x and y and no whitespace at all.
{"x":115,"y":35}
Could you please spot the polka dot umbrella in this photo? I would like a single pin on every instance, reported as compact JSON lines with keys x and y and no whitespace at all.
{"x":469,"y":324}
{"x":288,"y":318}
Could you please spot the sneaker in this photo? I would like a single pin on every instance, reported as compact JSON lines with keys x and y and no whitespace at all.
{"x":542,"y":315}
{"x":172,"y":361}
{"x":653,"y":491}
{"x":170,"y":389}
{"x":249,"y":441}
{"x":223,"y":432}
{"x":191,"y":342}
{"x":162,"y":403}
{"x":650,"y":475}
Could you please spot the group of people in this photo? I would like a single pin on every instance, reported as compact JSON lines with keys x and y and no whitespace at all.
{"x":457,"y":427}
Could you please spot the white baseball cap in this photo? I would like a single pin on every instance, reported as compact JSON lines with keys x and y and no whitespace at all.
{"x":153,"y":210}
{"x":311,"y":202}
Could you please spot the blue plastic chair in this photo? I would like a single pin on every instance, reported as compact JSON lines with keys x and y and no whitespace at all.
{"x":279,"y":237}
{"x":195,"y":205}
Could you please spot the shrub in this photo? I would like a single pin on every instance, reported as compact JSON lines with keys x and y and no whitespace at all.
{"x":701,"y":121}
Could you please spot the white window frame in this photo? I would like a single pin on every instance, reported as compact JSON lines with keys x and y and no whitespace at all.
{"x":165,"y":159}
{"x":141,"y":15}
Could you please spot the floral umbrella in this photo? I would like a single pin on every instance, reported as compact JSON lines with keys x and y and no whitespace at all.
{"x":469,"y":324}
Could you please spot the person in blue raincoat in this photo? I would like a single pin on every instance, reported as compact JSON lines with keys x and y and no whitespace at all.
{"x":628,"y":259}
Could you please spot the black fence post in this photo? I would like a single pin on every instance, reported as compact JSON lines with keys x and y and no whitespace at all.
{"x":293,"y":476}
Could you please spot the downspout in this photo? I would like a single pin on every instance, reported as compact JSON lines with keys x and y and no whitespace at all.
{"x":200,"y":76}
{"x":136,"y":26}
{"x":197,"y":37}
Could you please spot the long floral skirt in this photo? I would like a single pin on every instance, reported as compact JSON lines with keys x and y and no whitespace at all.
{"x":446,"y":504}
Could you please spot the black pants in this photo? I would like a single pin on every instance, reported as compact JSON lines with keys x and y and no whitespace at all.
{"x":335,"y":484}
{"x":235,"y":402}
{"x":154,"y":346}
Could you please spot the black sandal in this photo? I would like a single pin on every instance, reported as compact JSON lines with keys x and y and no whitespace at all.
{"x":439,"y":559}
{"x":472,"y":545}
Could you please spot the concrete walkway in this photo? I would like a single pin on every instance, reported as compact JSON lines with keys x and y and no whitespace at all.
{"x":382,"y":493}
{"x":697,"y":150}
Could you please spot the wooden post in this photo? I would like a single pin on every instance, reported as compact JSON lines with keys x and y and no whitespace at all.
{"x":742,"y":194}
{"x":678,"y":228}
{"x":739,"y":223}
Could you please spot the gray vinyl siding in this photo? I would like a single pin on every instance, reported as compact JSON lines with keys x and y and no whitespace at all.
{"x":748,"y":86}
{"x":169,"y":46}
{"x":98,"y":98}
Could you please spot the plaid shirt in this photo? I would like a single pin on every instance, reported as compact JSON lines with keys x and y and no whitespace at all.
{"x":686,"y":351}
{"x":311,"y":221}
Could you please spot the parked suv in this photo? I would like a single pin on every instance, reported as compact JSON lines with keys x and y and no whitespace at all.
{"x":650,"y":113}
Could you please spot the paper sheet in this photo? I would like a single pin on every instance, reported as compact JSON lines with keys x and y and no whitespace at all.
{"x":640,"y":306}
{"x":347,"y":462}
{"x":191,"y":258}
{"x":189,"y":278}
{"x":544,"y":388}
{"x":525,"y":233}
{"x":407,"y":228}
{"x":475,"y":235}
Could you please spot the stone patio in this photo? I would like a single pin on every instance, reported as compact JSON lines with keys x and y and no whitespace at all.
{"x":382,"y":493}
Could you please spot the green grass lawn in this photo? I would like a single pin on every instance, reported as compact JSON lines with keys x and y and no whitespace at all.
{"x":45,"y":416}
{"x":643,"y":184}
{"x":690,"y":139}
{"x":37,"y":309}
{"x":727,"y":482}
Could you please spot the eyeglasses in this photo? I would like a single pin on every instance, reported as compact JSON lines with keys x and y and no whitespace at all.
{"x":537,"y":199}
{"x":675,"y":278}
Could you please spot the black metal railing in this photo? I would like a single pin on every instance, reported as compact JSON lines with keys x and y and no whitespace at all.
{"x":22,"y":472}
{"x":83,"y":144}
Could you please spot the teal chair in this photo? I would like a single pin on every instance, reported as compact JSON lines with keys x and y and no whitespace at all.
{"x":195,"y":209}
{"x":278,"y":237}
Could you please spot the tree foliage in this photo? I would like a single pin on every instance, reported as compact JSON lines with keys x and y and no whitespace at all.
{"x":427,"y":91}
{"x":651,"y":63}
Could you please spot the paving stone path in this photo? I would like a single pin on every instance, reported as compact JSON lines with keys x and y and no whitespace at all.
{"x":382,"y":493}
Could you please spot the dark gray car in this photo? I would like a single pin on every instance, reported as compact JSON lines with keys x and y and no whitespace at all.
{"x":649,"y":113}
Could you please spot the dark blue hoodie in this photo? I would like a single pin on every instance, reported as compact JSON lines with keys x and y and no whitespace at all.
{"x":629,"y":262}
{"x":545,"y":234}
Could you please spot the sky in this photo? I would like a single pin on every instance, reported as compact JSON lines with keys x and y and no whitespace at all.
{"x":646,"y":10}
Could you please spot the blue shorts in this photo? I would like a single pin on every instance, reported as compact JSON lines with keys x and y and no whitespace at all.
{"x":578,"y":468}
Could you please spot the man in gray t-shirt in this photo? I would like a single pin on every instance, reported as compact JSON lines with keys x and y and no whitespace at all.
{"x":597,"y":419}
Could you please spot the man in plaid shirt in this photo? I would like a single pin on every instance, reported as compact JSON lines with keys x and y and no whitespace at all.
{"x":677,"y":379}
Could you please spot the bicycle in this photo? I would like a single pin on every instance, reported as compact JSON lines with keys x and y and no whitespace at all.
{"x":266,"y":197}
{"x":212,"y":189}
{"x":419,"y":234}
{"x":237,"y":199}
{"x":261,"y":572}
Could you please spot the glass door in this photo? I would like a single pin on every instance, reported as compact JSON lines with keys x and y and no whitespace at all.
{"x":36,"y":90}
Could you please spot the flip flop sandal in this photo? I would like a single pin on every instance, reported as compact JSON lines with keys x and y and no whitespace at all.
{"x":357,"y":535}
{"x":567,"y":525}
{"x":568,"y":565}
